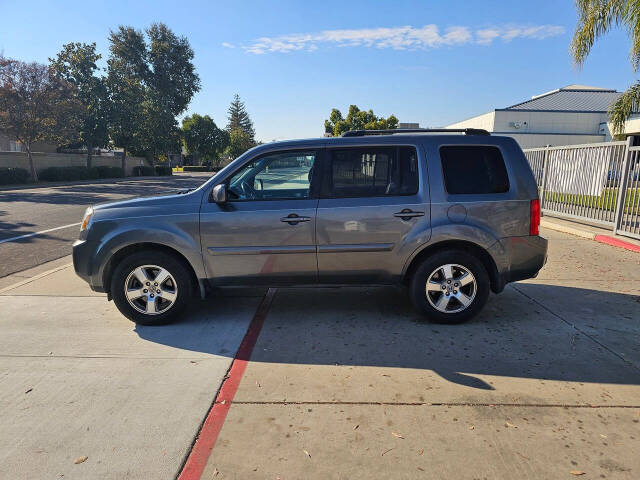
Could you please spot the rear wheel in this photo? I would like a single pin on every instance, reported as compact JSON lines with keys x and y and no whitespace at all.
{"x":450,"y":286}
{"x":151,"y":288}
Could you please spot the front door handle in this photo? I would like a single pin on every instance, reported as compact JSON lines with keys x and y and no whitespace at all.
{"x":294,"y":219}
{"x":407,"y":214}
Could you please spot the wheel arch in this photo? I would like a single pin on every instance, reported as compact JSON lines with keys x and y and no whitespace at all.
{"x":127,"y":250}
{"x":497,"y":284}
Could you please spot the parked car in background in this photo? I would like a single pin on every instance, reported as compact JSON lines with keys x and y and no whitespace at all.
{"x":451,"y":215}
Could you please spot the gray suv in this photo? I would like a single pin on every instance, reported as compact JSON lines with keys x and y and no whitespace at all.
{"x":449,"y":214}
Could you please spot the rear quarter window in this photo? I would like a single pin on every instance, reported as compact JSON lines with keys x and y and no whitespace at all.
{"x":473,"y":169}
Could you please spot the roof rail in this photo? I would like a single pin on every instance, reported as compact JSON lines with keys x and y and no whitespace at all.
{"x":466,"y":131}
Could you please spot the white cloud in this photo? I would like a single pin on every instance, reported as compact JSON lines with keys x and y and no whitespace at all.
{"x":228,"y":45}
{"x":397,"y":38}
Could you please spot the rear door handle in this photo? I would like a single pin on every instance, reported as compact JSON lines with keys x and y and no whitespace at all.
{"x":293,"y":219}
{"x":407,"y":214}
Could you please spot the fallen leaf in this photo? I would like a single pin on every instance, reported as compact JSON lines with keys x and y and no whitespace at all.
{"x":223,"y":402}
{"x":356,"y":427}
{"x":29,"y":390}
{"x":80,"y":459}
{"x":396,"y":435}
{"x":193,"y":361}
{"x":507,"y":424}
{"x":421,"y":469}
{"x":215,"y":472}
{"x":387,"y":451}
{"x":307,"y":453}
{"x":421,"y":452}
{"x":603,"y":436}
{"x":258,"y":384}
{"x":577,"y":472}
{"x":472,"y":427}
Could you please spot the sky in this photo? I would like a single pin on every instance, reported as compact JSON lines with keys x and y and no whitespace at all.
{"x":291,"y":62}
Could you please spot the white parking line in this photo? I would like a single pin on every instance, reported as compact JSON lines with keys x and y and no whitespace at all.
{"x":13,"y":239}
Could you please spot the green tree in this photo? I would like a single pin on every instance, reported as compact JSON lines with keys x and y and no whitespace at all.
{"x":597,"y":17}
{"x":239,"y":118}
{"x":239,"y":142}
{"x":76,"y":63}
{"x":126,"y":72}
{"x":357,"y":119}
{"x":155,"y":76}
{"x":36,"y":105}
{"x":203,"y":139}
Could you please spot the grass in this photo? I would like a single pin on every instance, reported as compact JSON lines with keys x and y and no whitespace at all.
{"x":606,"y":201}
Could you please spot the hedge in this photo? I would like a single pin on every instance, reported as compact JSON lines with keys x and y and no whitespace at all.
{"x":196,"y":168}
{"x":58,"y":174}
{"x":10,"y":175}
{"x":163,"y":170}
{"x":105,"y":171}
{"x":143,"y":171}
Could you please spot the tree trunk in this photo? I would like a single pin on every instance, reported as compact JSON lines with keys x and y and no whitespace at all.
{"x":89,"y":152}
{"x":32,"y":167}
{"x":124,"y":160}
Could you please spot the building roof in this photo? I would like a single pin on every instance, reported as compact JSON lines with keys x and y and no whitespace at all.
{"x":572,"y":98}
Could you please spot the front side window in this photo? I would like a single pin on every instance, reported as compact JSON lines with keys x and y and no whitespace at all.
{"x":473,"y":169}
{"x":278,"y":176}
{"x":373,"y":172}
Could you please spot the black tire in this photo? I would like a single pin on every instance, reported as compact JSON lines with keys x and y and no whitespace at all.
{"x":417,"y":286}
{"x":177,"y":269}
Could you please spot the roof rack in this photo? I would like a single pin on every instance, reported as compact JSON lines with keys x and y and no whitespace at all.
{"x":466,"y":131}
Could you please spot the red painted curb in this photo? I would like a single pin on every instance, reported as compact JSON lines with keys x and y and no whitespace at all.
{"x":616,"y":242}
{"x":197,"y":460}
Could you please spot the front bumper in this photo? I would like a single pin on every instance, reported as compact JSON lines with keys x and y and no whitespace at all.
{"x":82,"y":263}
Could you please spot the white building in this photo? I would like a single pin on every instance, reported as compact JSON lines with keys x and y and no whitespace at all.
{"x":567,"y":116}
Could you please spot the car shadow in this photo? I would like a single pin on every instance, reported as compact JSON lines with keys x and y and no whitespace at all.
{"x":514,"y":336}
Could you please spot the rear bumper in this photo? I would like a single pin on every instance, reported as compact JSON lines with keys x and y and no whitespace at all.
{"x":525,"y":257}
{"x":82,"y":264}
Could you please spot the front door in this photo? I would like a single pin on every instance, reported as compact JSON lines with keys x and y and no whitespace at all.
{"x":265,"y":232}
{"x":373,"y":212}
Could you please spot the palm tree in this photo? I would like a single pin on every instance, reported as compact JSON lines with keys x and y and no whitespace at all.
{"x":597,"y":17}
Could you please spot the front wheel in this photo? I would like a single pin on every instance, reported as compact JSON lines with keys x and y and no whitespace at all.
{"x":151,"y":288}
{"x":450,"y":286}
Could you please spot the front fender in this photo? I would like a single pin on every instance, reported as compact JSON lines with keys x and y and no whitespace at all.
{"x":182,"y":236}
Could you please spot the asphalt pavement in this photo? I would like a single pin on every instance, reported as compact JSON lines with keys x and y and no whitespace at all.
{"x":54,"y":213}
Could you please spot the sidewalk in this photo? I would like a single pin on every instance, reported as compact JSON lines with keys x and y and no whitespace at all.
{"x":343,"y":383}
{"x":78,"y":379}
{"x":599,"y":234}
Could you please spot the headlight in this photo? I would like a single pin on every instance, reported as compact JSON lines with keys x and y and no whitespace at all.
{"x":86,"y":221}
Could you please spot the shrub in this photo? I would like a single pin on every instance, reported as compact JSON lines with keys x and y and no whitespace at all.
{"x":197,"y":168}
{"x":59,"y":174}
{"x":10,"y":175}
{"x":105,"y":171}
{"x":143,"y":171}
{"x":163,"y":170}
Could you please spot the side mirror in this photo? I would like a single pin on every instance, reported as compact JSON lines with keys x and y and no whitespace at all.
{"x":219,"y":194}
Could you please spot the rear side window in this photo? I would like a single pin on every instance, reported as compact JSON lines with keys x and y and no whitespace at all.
{"x":472,"y":169}
{"x":373,"y":172}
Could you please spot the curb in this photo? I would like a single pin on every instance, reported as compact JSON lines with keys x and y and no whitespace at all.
{"x":606,"y":239}
{"x":97,"y":181}
{"x":35,"y":277}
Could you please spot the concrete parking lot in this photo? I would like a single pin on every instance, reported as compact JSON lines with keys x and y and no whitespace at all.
{"x":342,"y":382}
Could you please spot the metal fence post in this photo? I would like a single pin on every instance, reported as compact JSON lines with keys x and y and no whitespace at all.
{"x":622,"y":189}
{"x":543,"y":185}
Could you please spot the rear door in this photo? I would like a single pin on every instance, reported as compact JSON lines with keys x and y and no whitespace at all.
{"x":265,"y":232}
{"x":373,"y":212}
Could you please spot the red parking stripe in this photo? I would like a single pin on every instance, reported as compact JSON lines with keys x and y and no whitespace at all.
{"x":616,"y":242}
{"x":197,"y":460}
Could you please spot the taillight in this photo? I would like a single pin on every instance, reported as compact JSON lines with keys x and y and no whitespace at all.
{"x":534,"y":219}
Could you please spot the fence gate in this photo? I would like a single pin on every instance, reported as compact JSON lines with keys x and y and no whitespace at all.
{"x":628,"y":212}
